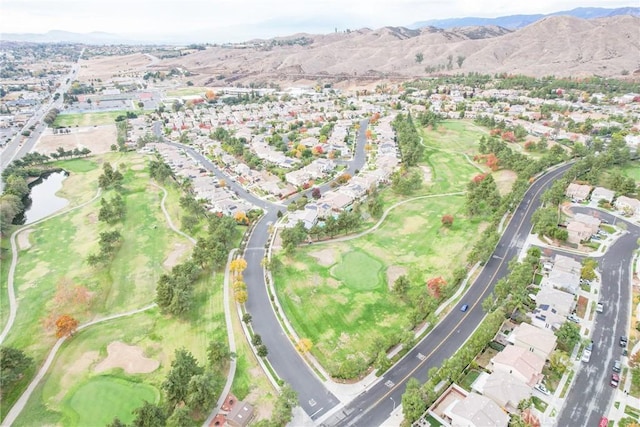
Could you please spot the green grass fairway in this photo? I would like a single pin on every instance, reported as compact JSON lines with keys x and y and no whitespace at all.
{"x":632,"y":170}
{"x":455,"y":135}
{"x":101,"y":399}
{"x":87,"y":119}
{"x":358,"y":271}
{"x":78,"y":165}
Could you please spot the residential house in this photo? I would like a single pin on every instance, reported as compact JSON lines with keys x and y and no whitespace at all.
{"x":565,"y":274}
{"x":546,"y":317}
{"x":578,"y":192}
{"x":591,"y":222}
{"x":504,"y":389}
{"x":539,"y":341}
{"x":628,"y":206}
{"x":562,"y":302}
{"x":578,"y":232}
{"x":601,"y":193}
{"x":523,"y":364}
{"x":476,"y":411}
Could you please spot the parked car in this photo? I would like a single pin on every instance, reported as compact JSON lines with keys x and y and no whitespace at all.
{"x":615,"y":380}
{"x":604,"y":422}
{"x":589,"y":346}
{"x":616,"y":366}
{"x":464,"y":307}
{"x":586,"y":355}
{"x":599,"y":308}
{"x":542,"y":389}
{"x":623,"y":341}
{"x":572,"y":317}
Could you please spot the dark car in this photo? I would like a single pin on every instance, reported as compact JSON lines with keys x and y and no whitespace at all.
{"x":623,"y":341}
{"x":616,"y":366}
{"x":464,"y":307}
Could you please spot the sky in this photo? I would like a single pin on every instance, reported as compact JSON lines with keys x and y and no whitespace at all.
{"x":218,"y":21}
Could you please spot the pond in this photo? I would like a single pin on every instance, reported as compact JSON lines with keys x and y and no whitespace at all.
{"x":42,"y":200}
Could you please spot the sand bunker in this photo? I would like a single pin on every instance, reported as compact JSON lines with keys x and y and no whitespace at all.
{"x":325,"y":257}
{"x":128,"y":357}
{"x":23,"y":239}
{"x":393,"y":272}
{"x":172,"y":260}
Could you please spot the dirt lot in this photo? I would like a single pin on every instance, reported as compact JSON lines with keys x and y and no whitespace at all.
{"x":107,"y":68}
{"x":98,"y":139}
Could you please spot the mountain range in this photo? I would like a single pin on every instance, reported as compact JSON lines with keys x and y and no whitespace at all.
{"x":513,"y":22}
{"x":555,"y":45}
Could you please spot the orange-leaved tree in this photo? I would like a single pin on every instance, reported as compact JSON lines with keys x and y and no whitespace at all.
{"x":435,"y":286}
{"x":66,"y":326}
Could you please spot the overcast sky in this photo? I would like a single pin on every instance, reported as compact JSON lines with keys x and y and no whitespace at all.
{"x":236,"y":20}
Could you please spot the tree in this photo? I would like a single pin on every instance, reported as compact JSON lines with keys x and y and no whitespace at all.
{"x":568,"y":336}
{"x":588,"y":269}
{"x":559,"y":361}
{"x":282,"y":411}
{"x":241,"y":296}
{"x":13,"y":363}
{"x":202,"y":391}
{"x":217,"y":354}
{"x":401,"y":285}
{"x":183,"y":368}
{"x":237,"y":266}
{"x":149,"y":415}
{"x":292,"y":237}
{"x":66,"y":326}
{"x":413,"y":405}
{"x":419,"y":57}
{"x":181,"y":417}
{"x":447,"y":220}
{"x":315,"y":193}
{"x":435,"y":286}
{"x":304,"y":345}
{"x":262,"y":351}
{"x":460,"y":60}
{"x":116,"y":423}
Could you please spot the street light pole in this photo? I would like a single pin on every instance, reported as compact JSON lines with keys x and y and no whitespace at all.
{"x":394,"y":403}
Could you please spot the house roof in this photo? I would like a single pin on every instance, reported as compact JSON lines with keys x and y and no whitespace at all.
{"x":525,"y":362}
{"x":480,"y":411}
{"x":561,"y":301}
{"x":504,"y":389}
{"x":526,"y":335}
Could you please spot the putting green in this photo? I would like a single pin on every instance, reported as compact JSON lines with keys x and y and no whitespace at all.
{"x":358,"y":270}
{"x":99,"y":400}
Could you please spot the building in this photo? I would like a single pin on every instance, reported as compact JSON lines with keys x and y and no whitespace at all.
{"x":578,"y":192}
{"x":476,"y":411}
{"x":578,"y":232}
{"x":525,"y":365}
{"x":504,"y":389}
{"x":240,"y":414}
{"x":539,"y":341}
{"x":592,"y":223}
{"x":601,"y":193}
{"x":564,"y":275}
{"x":628,"y":206}
{"x":562,"y":302}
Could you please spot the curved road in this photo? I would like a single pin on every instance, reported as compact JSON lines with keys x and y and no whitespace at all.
{"x":373,"y":407}
{"x":313,"y":396}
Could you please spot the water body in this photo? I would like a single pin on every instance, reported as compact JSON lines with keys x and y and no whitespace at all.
{"x":43,"y":197}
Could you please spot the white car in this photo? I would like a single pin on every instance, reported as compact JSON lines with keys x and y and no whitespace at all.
{"x":542,"y":389}
{"x":586,"y":356}
{"x":599,"y":308}
{"x":572,"y":317}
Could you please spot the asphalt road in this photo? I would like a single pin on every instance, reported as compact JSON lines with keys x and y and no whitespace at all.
{"x":374,"y":406}
{"x":16,"y":149}
{"x":313,"y":397}
{"x":591,"y":395}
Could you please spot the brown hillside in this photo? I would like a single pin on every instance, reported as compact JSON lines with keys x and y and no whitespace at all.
{"x":559,"y":45}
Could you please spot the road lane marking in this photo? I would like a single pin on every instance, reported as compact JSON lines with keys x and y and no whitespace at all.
{"x":388,"y":393}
